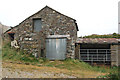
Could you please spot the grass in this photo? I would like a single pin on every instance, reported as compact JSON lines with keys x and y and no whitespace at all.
{"x":72,"y":64}
{"x":14,"y":55}
{"x":75,"y":67}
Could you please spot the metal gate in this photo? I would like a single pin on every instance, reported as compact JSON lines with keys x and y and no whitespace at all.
{"x":56,"y":49}
{"x":91,"y":55}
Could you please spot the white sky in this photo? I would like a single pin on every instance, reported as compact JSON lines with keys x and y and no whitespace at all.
{"x":93,"y":16}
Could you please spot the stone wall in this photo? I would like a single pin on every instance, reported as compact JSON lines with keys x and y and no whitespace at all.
{"x":77,"y":51}
{"x":53,"y":23}
{"x":118,"y":55}
{"x":114,"y":55}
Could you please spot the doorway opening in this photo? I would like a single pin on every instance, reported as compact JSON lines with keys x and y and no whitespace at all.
{"x":11,"y":36}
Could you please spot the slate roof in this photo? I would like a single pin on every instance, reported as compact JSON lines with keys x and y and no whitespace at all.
{"x":97,"y":40}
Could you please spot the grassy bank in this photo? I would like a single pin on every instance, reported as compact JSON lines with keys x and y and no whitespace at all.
{"x":75,"y":67}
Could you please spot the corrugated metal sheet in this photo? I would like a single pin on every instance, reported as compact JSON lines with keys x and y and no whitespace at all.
{"x":56,"y":49}
{"x":97,"y":40}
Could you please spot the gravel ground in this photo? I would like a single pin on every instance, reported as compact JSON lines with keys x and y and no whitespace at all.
{"x":22,"y":70}
{"x":16,"y":73}
{"x":13,"y":70}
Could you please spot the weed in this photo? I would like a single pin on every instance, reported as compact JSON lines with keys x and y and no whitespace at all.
{"x":49,"y":65}
{"x":111,"y":76}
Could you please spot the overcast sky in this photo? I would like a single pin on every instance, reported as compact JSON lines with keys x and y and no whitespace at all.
{"x":93,"y":16}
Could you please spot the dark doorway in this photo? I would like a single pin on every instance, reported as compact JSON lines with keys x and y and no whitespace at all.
{"x":42,"y":52}
{"x":11,"y":35}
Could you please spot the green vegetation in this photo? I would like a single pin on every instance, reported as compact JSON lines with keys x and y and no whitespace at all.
{"x":114,"y":35}
{"x":16,"y":55}
{"x":72,"y":64}
{"x":13,"y":55}
{"x":111,"y":76}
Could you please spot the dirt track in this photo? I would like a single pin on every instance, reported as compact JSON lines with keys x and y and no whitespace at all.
{"x":9,"y":73}
{"x":29,"y":71}
{"x":20,"y":70}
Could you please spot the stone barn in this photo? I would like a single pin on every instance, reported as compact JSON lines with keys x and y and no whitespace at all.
{"x":46,"y":33}
{"x":98,"y":50}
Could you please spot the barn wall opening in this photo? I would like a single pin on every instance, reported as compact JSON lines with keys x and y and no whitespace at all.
{"x":42,"y":52}
{"x":11,"y":36}
{"x":95,"y":53}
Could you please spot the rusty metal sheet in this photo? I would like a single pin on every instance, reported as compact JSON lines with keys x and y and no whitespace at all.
{"x":97,"y":40}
